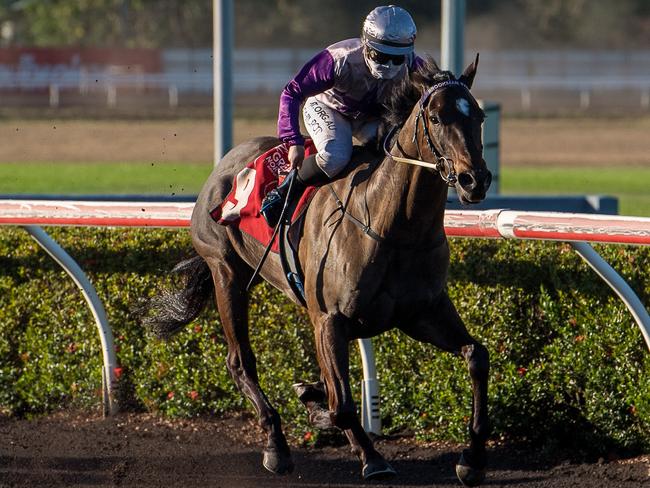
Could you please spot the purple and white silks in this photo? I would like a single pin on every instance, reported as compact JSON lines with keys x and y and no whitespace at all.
{"x":339,"y":78}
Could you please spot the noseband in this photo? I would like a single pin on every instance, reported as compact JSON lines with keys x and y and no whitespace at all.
{"x":444,"y":165}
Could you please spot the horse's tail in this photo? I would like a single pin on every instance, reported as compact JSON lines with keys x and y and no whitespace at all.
{"x":167,"y":313}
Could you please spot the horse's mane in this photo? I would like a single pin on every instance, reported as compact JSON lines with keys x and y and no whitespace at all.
{"x":406,"y":94}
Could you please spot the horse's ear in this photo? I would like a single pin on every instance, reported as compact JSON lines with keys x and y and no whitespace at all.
{"x":468,"y":75}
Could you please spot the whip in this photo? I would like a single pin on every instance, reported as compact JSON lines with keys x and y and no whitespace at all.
{"x":275,"y":231}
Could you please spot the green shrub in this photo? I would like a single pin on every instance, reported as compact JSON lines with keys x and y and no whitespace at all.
{"x":568,"y":364}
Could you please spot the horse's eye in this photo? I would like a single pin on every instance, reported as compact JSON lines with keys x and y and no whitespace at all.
{"x":434,"y":119}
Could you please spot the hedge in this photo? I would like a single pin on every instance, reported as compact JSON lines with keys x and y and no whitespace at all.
{"x":568,"y":363}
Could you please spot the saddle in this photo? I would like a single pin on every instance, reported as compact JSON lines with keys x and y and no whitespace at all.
{"x":241,"y":208}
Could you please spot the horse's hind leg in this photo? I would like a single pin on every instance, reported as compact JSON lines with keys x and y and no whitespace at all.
{"x":331,"y":334}
{"x":232,"y":302}
{"x":314,"y":397}
{"x":442,"y":326}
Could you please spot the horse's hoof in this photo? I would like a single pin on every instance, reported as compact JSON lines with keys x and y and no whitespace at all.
{"x":312,"y":395}
{"x":277,"y":462}
{"x":319,"y":417}
{"x":378,"y":469}
{"x":468,"y":475}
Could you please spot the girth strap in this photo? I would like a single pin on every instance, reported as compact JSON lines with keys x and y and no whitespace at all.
{"x":365,"y":228}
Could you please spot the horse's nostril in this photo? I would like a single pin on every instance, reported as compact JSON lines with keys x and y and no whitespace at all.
{"x":488,"y":181}
{"x":466,"y":181}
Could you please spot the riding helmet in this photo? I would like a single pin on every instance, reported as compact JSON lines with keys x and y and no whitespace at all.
{"x":389,"y":29}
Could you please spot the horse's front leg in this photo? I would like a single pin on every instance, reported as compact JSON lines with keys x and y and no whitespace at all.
{"x":332,"y":340}
{"x":441,"y":326}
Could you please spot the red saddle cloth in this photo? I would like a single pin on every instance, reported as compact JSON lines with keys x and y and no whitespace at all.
{"x":242,"y":205}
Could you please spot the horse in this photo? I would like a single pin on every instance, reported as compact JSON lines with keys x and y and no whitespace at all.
{"x":374,"y":255}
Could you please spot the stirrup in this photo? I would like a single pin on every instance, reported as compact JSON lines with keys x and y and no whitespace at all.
{"x":272,"y":198}
{"x":272,"y":207}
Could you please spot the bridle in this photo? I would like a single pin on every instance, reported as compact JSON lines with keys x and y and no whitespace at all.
{"x":444,"y":165}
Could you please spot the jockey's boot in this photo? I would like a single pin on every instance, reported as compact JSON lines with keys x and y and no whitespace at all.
{"x":274,"y":200}
{"x":309,"y":174}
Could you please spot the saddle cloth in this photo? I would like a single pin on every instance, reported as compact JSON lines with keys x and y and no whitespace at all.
{"x":241,"y":207}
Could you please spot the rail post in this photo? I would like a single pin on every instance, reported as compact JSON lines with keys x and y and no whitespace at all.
{"x":110,"y":406}
{"x":370,"y":418}
{"x":618,"y":284}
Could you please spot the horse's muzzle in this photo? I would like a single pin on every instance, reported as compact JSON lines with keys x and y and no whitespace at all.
{"x":472,"y":186}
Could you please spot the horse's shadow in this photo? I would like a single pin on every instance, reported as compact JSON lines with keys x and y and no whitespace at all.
{"x":314,"y":467}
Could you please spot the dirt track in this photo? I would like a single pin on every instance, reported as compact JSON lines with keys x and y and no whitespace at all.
{"x":560,"y":141}
{"x":139,"y":450}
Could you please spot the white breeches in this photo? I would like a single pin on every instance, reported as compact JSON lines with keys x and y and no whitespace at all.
{"x":332,"y":134}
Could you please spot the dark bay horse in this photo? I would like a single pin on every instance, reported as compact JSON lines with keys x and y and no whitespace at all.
{"x":356,"y":284}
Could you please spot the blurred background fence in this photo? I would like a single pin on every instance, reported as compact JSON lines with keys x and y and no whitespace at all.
{"x":539,"y":81}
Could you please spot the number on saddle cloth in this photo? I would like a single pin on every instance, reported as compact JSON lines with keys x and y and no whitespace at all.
{"x":242,"y":205}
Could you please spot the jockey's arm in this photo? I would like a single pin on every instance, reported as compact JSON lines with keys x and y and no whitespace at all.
{"x":315,"y":77}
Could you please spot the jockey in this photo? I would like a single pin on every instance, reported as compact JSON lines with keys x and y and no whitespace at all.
{"x":342,"y":88}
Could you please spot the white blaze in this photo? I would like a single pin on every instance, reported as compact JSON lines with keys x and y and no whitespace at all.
{"x":463,"y":106}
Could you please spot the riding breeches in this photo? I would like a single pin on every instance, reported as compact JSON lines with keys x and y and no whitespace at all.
{"x":332,"y":134}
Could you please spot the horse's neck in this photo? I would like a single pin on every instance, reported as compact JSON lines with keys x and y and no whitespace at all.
{"x":408,"y":202}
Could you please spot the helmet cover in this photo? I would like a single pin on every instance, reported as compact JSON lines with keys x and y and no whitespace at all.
{"x":389,"y":29}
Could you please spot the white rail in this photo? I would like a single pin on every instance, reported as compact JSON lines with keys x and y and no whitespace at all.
{"x":579,"y":229}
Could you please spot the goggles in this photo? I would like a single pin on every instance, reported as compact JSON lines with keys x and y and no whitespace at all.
{"x":383,"y":58}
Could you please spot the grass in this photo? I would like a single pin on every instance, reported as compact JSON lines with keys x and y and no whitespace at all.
{"x":103,"y":178}
{"x":630,"y":184}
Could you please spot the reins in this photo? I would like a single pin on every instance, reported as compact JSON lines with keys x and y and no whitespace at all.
{"x":444,"y":166}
